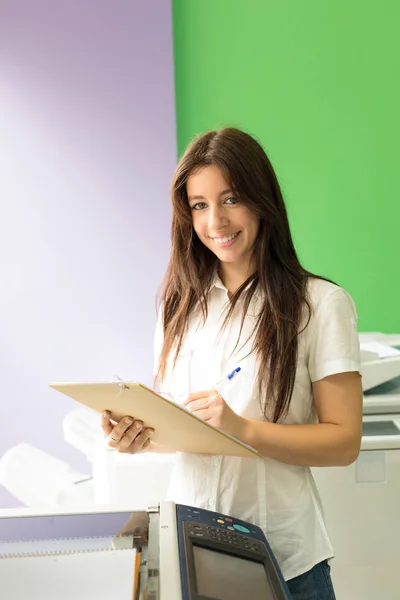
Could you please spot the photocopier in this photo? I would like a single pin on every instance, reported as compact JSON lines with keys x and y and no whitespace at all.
{"x":168,"y":552}
{"x":361,"y":501}
{"x":380,"y":356}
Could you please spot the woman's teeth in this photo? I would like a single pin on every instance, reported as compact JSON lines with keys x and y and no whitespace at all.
{"x":224,"y":240}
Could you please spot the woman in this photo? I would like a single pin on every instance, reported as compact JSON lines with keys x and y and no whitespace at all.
{"x":234,"y":295}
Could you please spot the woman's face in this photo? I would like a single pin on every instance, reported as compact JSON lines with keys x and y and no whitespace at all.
{"x":225,"y":225}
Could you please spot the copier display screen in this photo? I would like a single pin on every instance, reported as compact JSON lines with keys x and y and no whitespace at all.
{"x":228,"y":577}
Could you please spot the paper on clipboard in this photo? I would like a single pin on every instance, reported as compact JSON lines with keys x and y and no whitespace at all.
{"x":174,"y":426}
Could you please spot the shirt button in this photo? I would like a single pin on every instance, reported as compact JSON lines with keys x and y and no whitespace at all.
{"x":215,"y":461}
{"x":211,"y":502}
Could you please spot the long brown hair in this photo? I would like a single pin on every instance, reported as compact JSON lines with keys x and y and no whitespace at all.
{"x":279,"y":275}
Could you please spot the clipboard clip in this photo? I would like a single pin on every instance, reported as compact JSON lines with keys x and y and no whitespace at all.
{"x":120,"y":384}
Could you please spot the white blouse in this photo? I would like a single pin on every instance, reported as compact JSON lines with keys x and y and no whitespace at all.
{"x":281,"y":499}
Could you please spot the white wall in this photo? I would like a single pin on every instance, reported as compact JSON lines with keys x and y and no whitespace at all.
{"x":87,"y":151}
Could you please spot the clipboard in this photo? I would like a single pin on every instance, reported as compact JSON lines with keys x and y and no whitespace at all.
{"x":174,"y":426}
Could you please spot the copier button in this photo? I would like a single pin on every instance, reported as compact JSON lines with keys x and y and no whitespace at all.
{"x":241,"y":528}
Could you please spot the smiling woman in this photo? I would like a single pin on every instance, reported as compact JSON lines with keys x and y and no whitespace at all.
{"x":235,"y":294}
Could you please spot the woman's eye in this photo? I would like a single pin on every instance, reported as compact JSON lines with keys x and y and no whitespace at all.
{"x":231,"y":200}
{"x":198,"y":206}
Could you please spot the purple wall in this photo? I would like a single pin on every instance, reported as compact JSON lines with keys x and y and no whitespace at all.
{"x":87,"y":129}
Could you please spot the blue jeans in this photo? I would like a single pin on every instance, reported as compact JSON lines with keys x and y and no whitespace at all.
{"x":315,"y":584}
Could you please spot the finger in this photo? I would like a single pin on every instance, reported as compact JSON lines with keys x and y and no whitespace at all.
{"x":130,"y":435}
{"x":141,"y":441}
{"x":119,"y":430}
{"x":106,"y":422}
{"x":204,"y":414}
{"x":197,"y":396}
{"x":196,"y":405}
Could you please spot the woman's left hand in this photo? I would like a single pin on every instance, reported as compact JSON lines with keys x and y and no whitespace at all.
{"x":210,"y":406}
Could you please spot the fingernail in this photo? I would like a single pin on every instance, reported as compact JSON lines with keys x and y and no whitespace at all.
{"x":105,"y":414}
{"x":150,"y":432}
{"x":127,"y":420}
{"x":138,"y":425}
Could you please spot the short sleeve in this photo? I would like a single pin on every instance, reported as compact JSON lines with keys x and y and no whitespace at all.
{"x":334,"y":345}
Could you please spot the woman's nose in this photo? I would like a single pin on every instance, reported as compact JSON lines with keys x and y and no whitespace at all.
{"x":217,"y":218}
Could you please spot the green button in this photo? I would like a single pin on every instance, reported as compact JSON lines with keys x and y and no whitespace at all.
{"x":241,"y":528}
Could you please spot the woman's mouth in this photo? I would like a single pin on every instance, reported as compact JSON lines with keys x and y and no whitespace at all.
{"x":226,"y":240}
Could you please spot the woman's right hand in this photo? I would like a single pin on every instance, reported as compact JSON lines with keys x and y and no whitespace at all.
{"x":128,"y":436}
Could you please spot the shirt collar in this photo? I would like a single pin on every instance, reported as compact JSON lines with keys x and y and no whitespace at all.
{"x":217,"y":283}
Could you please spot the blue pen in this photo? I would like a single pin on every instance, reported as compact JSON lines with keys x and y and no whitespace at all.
{"x":233,"y":373}
{"x":228,"y":378}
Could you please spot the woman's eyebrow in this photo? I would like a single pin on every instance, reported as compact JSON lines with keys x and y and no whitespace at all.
{"x":227,"y":191}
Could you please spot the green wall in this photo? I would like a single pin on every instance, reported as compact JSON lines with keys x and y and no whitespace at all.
{"x":318,"y":84}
